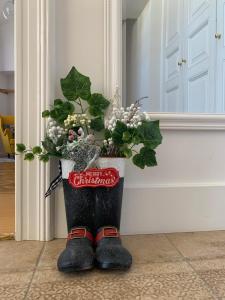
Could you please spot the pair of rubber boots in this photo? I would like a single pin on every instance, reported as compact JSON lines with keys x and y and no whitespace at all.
{"x":93,"y":220}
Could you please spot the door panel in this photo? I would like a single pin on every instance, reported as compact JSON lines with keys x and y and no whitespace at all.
{"x":220,"y":96}
{"x":195,"y":8}
{"x":198,"y":46}
{"x":172,"y":95}
{"x":200,"y":54}
{"x":172,"y":15}
{"x":172,"y":49}
{"x":198,"y":90}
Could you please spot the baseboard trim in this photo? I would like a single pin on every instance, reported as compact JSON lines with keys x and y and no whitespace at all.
{"x":175,"y":185}
{"x":164,"y":209}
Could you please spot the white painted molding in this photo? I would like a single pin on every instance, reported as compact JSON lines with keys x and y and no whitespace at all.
{"x":189,"y":121}
{"x":34,"y":22}
{"x":113,"y":76}
{"x":112,"y":47}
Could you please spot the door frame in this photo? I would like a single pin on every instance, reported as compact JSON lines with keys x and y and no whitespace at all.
{"x":113,"y":71}
{"x":34,"y":55}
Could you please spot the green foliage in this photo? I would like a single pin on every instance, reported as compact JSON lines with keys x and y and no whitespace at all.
{"x":97,"y":104}
{"x":127,"y":137}
{"x":44,"y":158}
{"x":108,"y":134}
{"x":146,"y":157}
{"x":117,"y":135}
{"x":61,"y":110}
{"x":97,"y":124}
{"x":37,"y":150}
{"x":138,"y":161}
{"x":20,"y":148}
{"x":76,"y":85}
{"x":58,"y":102}
{"x":149,"y":134}
{"x":45,"y":114}
{"x":127,"y":152}
{"x":49,"y":146}
{"x":29,"y":156}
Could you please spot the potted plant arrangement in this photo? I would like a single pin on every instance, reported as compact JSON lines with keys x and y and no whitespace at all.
{"x":92,"y":137}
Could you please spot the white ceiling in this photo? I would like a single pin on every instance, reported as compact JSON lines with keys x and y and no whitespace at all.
{"x":133,"y":8}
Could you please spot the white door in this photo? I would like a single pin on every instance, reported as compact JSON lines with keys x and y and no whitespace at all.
{"x":172,"y":49}
{"x":199,"y":55}
{"x":220,"y":40}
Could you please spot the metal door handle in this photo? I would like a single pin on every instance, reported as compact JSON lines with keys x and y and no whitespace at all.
{"x":218,"y":36}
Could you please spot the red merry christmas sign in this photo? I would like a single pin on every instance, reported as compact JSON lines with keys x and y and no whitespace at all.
{"x":94,"y":178}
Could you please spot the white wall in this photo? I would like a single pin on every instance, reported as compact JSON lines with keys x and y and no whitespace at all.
{"x":144,"y":56}
{"x":186,"y":191}
{"x":79,"y":42}
{"x":76,"y":44}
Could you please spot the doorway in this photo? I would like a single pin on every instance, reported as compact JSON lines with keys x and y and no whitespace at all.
{"x":7,"y":117}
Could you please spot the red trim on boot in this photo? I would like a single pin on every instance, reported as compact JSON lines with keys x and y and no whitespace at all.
{"x":107,"y":232}
{"x":79,"y":233}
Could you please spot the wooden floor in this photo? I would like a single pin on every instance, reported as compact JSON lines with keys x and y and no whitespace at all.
{"x":7,"y":198}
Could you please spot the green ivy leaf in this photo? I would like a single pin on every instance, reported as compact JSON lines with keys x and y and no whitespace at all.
{"x":49,"y":146}
{"x":45,"y":114}
{"x":61,"y":114}
{"x":118,"y":132}
{"x":149,"y":134}
{"x":76,"y":85}
{"x":97,"y":124}
{"x":108,"y":134}
{"x":149,"y":157}
{"x":68,"y":107}
{"x":58,"y":102}
{"x":29,"y":156}
{"x":44,"y":158}
{"x":98,"y":100}
{"x":37,"y":150}
{"x":127,"y":152}
{"x":95,"y":111}
{"x":127,"y":137}
{"x":136,"y":140}
{"x":20,"y":148}
{"x":139,"y":161}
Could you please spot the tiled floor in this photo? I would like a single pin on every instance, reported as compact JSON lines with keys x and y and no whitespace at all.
{"x":172,"y":266}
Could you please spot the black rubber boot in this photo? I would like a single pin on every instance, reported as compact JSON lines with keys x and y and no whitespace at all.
{"x":79,"y":254}
{"x":110,"y":254}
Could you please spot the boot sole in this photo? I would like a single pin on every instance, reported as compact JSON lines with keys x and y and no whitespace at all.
{"x":74,"y":270}
{"x":108,"y":266}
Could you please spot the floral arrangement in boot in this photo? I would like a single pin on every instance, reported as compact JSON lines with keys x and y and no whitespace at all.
{"x":91,"y":136}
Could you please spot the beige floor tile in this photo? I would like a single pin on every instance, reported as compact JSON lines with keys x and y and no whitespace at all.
{"x":153,"y":281}
{"x":200,"y":245}
{"x":51,"y":253}
{"x":208,"y":264}
{"x":14,"y":285}
{"x":19,"y":255}
{"x":151,"y":248}
{"x":212,"y":271}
